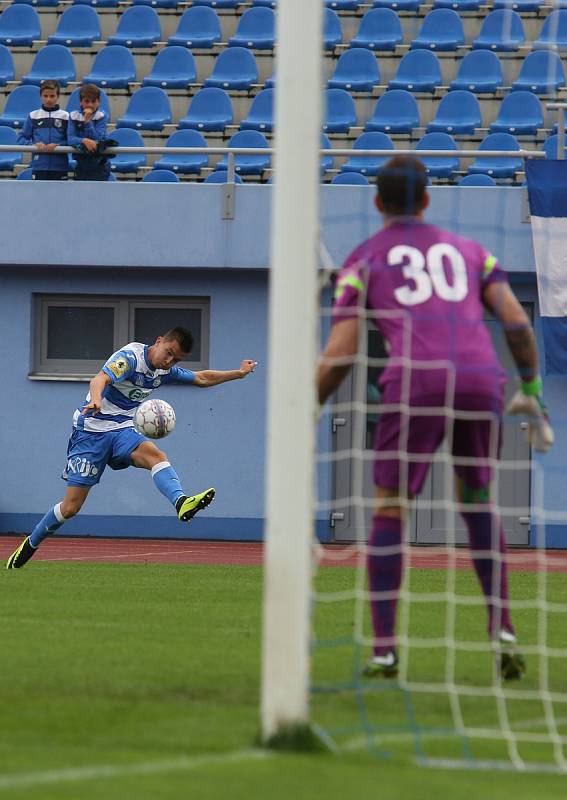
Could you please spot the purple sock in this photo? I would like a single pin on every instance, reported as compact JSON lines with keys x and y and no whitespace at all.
{"x":486,"y":534}
{"x":384,"y":576}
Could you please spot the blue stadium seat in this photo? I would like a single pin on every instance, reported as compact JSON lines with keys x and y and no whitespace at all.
{"x":340,"y":111}
{"x":217,"y":3}
{"x":113,"y":68}
{"x":350,"y":179}
{"x":25,"y":175}
{"x":74,"y":103}
{"x":459,"y":5}
{"x":332,"y":31}
{"x":458,"y":112}
{"x":265,"y":3}
{"x":210,"y":110}
{"x":541,"y":72}
{"x":553,"y":34}
{"x":187,"y":164}
{"x":137,"y":27}
{"x":271,"y":81}
{"x":418,"y":71}
{"x":157,"y":3}
{"x":97,"y":3}
{"x":160,"y":176}
{"x":261,"y":114}
{"x":199,"y":27}
{"x":221,"y":177}
{"x":502,"y":30}
{"x":19,"y":103}
{"x":9,"y":160}
{"x":235,"y":68}
{"x":52,"y":61}
{"x":7,"y":72}
{"x":38,"y":3}
{"x":519,"y":5}
{"x":368,"y":165}
{"x":149,"y":110}
{"x":78,"y":26}
{"x":398,"y":5}
{"x":550,"y":147}
{"x":19,"y":26}
{"x":504,"y":167}
{"x":256,"y":29}
{"x":247,"y":164}
{"x":439,"y":166}
{"x":519,"y":113}
{"x":442,"y":29}
{"x":343,"y":5}
{"x":477,"y":180}
{"x":357,"y":70}
{"x":326,"y":162}
{"x":479,"y":71}
{"x":395,"y":112}
{"x":173,"y":68}
{"x":380,"y":29}
{"x":127,"y":162}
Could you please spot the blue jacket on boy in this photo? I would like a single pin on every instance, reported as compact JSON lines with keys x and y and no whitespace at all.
{"x":48,"y":126}
{"x":89,"y":165}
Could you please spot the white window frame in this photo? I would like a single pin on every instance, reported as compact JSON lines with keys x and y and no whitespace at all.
{"x":44,"y":368}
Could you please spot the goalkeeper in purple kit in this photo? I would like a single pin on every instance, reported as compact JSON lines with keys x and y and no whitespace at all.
{"x":426,"y":289}
{"x":104,"y":435}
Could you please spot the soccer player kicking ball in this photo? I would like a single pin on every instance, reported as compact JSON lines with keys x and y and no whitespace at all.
{"x":425,"y":289}
{"x":103,"y":431}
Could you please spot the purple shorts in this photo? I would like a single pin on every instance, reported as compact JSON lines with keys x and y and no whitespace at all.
{"x":410,"y":432}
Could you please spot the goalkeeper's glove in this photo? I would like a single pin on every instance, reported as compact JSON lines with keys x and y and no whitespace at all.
{"x":528,"y":400}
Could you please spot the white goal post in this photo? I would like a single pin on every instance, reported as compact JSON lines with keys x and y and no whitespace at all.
{"x":292,"y":354}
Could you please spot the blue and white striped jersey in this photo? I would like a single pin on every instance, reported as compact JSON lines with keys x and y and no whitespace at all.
{"x":133,"y":380}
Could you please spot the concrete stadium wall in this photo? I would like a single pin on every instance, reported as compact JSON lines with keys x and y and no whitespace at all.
{"x":154,"y":239}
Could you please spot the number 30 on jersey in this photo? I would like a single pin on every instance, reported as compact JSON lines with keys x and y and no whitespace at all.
{"x":428,"y":273}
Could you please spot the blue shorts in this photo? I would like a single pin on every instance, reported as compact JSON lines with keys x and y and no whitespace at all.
{"x":89,"y":453}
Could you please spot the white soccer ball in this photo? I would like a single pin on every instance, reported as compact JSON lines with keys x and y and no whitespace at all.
{"x":154,"y":419}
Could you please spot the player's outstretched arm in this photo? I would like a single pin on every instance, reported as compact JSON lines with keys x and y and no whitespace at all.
{"x":212,"y":377}
{"x":96,"y":388}
{"x":501,"y":301}
{"x":337,"y":358}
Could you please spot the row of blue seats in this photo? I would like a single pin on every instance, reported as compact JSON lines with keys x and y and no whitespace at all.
{"x":343,"y":178}
{"x":396,"y":111}
{"x":336,"y":5}
{"x":236,"y":69}
{"x":199,"y":27}
{"x":504,"y":167}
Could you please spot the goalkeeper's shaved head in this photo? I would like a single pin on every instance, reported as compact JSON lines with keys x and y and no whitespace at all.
{"x":402,"y":185}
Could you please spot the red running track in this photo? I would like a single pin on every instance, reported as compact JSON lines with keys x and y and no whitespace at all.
{"x":160,"y":551}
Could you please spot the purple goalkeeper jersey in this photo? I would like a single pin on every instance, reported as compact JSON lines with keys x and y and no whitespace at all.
{"x":422,"y":288}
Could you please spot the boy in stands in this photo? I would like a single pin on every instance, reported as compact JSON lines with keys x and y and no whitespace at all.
{"x":426,"y":289}
{"x":46,"y":127}
{"x":87,"y":132}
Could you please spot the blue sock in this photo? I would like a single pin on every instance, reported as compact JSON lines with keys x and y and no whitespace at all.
{"x":167,"y":481}
{"x":48,"y":524}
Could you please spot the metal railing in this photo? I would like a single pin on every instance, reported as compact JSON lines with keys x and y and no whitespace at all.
{"x":231,"y":152}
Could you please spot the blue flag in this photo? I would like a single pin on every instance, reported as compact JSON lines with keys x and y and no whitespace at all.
{"x":547,"y":192}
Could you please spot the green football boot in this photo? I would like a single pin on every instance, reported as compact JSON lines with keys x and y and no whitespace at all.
{"x":22,"y":555}
{"x":187,"y":507}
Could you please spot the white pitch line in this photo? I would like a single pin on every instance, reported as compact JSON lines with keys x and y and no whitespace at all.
{"x":95,"y":558}
{"x":183,"y":763}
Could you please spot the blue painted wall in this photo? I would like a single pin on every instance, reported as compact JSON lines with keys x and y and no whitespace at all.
{"x":125,"y":238}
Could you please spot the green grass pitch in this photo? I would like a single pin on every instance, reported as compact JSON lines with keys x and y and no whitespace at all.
{"x":141,"y":682}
